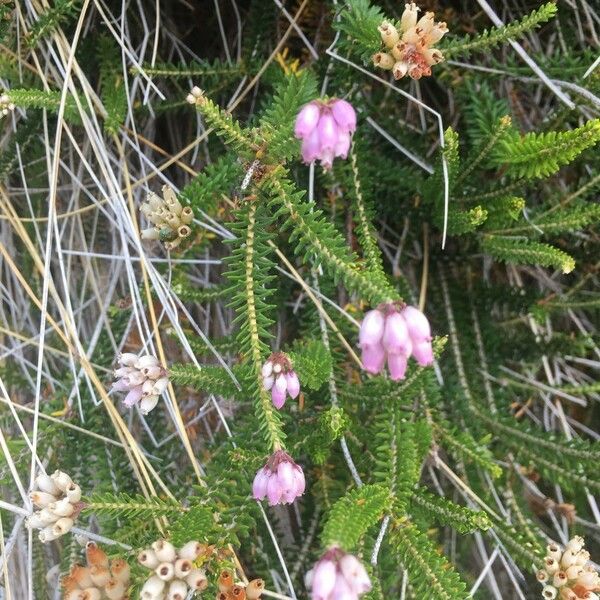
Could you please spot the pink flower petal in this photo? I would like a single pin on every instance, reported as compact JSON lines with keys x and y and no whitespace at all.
{"x":307,"y":120}
{"x":395,"y":336}
{"x":397,"y":366}
{"x":371,"y":328}
{"x":133,"y":397}
{"x":344,"y":115}
{"x":423,"y":353}
{"x":373,"y":357}
{"x":277,"y":397}
{"x":417,"y":324}
{"x":293,"y":384}
{"x":259,"y":486}
{"x":328,"y":132}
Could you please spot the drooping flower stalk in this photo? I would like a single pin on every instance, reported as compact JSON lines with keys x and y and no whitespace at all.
{"x":281,"y":480}
{"x":280,"y":378}
{"x":325,"y":128}
{"x":393,"y":333}
{"x":143,"y":378}
{"x":337,"y":575}
{"x":409,"y":47}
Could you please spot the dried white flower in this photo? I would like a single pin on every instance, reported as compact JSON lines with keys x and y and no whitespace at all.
{"x":567,"y":573}
{"x":143,"y":378}
{"x":173,"y":573}
{"x":409,"y":48}
{"x":170,"y":220}
{"x":98,"y":579}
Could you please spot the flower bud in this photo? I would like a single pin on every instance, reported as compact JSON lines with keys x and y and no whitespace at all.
{"x":542,"y":576}
{"x":95,"y":555}
{"x":553,"y":551}
{"x":62,"y":526}
{"x":417,"y":324}
{"x":383,"y":60}
{"x":165,"y":570}
{"x":191,"y":550}
{"x":41,"y":499}
{"x":389,"y":34}
{"x":254,"y":589}
{"x":62,"y":480}
{"x":187,"y":215}
{"x":568,"y":559}
{"x":574,"y":572}
{"x":133,"y":397}
{"x":551,"y":566}
{"x":576,"y":544}
{"x":148,"y":559}
{"x":100,"y":575}
{"x":45,"y":483}
{"x":73,"y":493}
{"x":182,"y":567}
{"x":47,"y":516}
{"x":153,"y":587}
{"x":160,"y":386}
{"x":150,"y":233}
{"x":197,"y":580}
{"x":81,"y":576}
{"x":148,"y":403}
{"x":48,"y":534}
{"x":114,"y":589}
{"x":238,"y":593}
{"x":559,"y":579}
{"x":127,"y":359}
{"x":177,"y":590}
{"x":120,"y":570}
{"x":225,"y":582}
{"x":549,"y":592}
{"x":399,"y":69}
{"x":62,"y":508}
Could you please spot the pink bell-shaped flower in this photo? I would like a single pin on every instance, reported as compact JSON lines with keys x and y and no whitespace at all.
{"x":337,"y":576}
{"x":281,"y":480}
{"x":325,"y":128}
{"x":280,"y":378}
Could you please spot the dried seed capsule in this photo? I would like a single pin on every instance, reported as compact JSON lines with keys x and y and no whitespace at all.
{"x":225,"y":582}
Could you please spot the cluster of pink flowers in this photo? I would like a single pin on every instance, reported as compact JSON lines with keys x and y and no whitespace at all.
{"x":280,"y":378}
{"x":411,"y":44}
{"x":143,"y":378}
{"x":568,"y":574}
{"x":281,"y":480}
{"x":325,"y":128}
{"x":338,"y":576}
{"x":395,"y":332}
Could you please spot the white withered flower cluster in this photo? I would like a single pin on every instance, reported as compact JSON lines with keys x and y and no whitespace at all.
{"x":6,"y":105}
{"x":174,"y":574}
{"x":58,"y":500}
{"x":409,"y":47}
{"x":170,"y":220}
{"x":99,"y":580}
{"x":567,"y":574}
{"x":143,"y":378}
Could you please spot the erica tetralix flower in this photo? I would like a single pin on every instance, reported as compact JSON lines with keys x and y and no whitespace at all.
{"x":392,"y":332}
{"x":337,"y":575}
{"x":143,"y":378}
{"x":280,"y":378}
{"x":409,"y":46}
{"x":281,"y":480}
{"x":567,"y":574}
{"x":325,"y":128}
